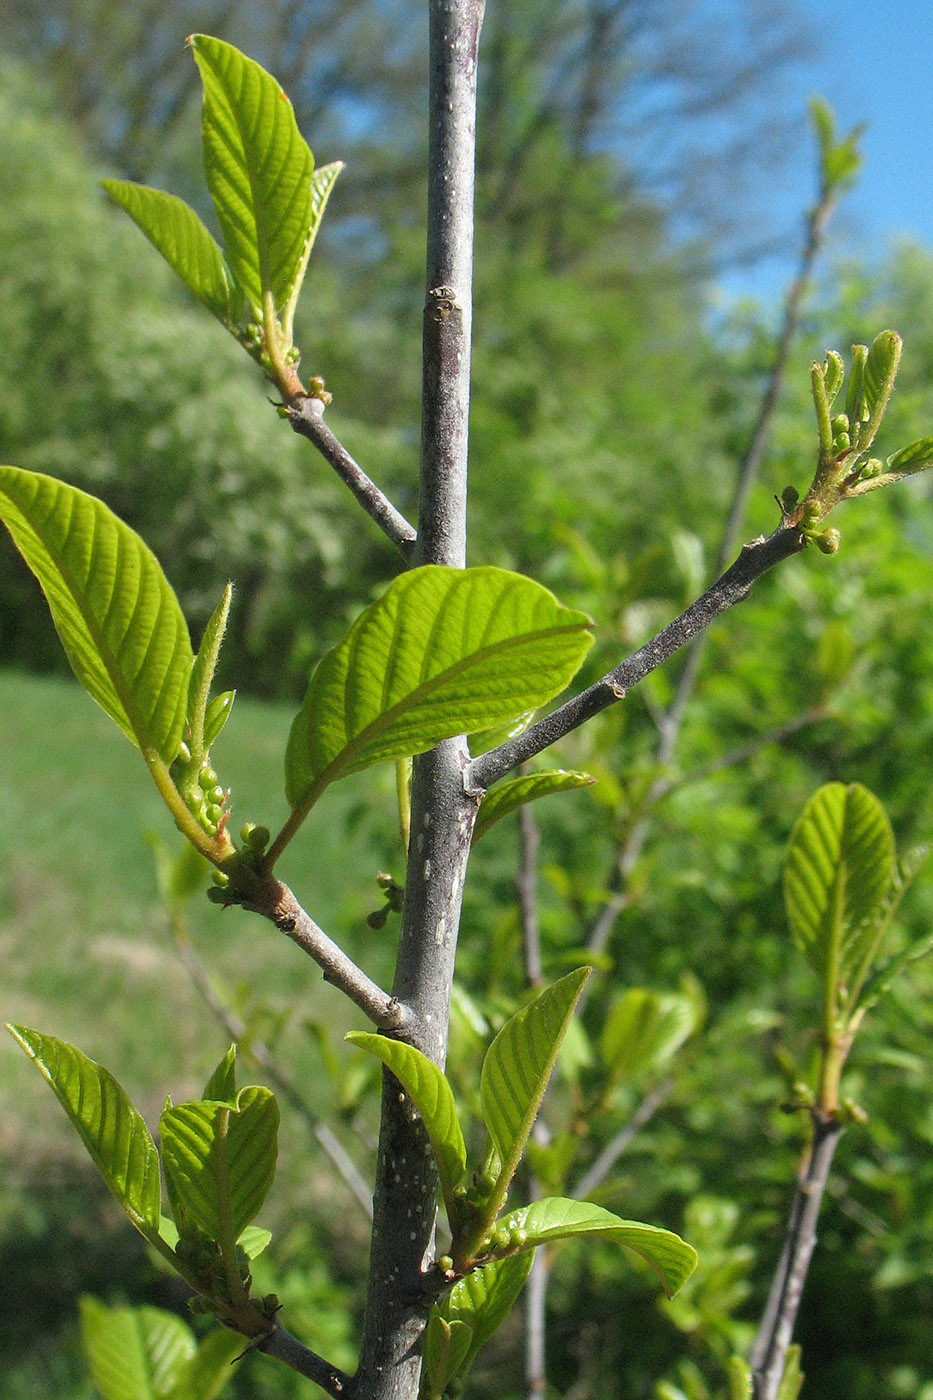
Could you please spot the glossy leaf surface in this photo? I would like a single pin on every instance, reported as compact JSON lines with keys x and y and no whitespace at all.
{"x":185,"y":244}
{"x":513,"y":793}
{"x":430,"y":1092}
{"x":221,"y":1159}
{"x":519,"y":1063}
{"x":258,"y":169}
{"x":113,"y":608}
{"x":136,"y":1353}
{"x":838,"y":871}
{"x":113,"y":1132}
{"x":443,"y":652}
{"x":557,"y":1218}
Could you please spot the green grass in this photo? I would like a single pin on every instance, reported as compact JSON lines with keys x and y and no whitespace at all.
{"x":85,"y":942}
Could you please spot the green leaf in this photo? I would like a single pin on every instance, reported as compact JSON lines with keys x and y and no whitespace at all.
{"x":446,"y":1348}
{"x":914,"y":458}
{"x":740,"y":1378}
{"x":258,"y":169}
{"x":209,"y":1370}
{"x":884,"y":356}
{"x":644,"y":1029}
{"x":221,"y":1087}
{"x":135,"y":1353}
{"x":837,"y":875}
{"x":322,"y":182}
{"x":508,"y":796}
{"x":793,"y":1377}
{"x":518,"y":1066}
{"x":185,"y":244}
{"x":254,"y":1240}
{"x":113,"y":1132}
{"x":557,"y":1218}
{"x":202,"y":677}
{"x":484,"y":1299}
{"x":443,"y":652}
{"x":430,"y":1092}
{"x":113,"y":608}
{"x":216,"y":715}
{"x":221,"y":1160}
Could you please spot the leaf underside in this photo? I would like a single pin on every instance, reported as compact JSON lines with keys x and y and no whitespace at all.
{"x":135,"y":1353}
{"x":508,"y":796}
{"x":113,"y":608}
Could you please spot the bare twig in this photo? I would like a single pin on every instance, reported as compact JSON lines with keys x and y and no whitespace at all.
{"x":754,"y":560}
{"x":275,"y":901}
{"x":597,"y":1173}
{"x":307,"y":418}
{"x":257,"y":1050}
{"x":777,"y":1324}
{"x":286,"y":1348}
{"x":536,"y":1291}
{"x":526,"y":885}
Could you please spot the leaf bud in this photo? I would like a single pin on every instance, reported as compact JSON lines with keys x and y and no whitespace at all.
{"x":841,"y":423}
{"x":207,"y":778}
{"x":220,"y":879}
{"x":446,"y":1264}
{"x":214,"y":812}
{"x":811,"y":515}
{"x":827,"y":541}
{"x":518,"y":1237}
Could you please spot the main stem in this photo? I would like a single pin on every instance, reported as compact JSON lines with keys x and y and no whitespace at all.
{"x":442,"y":813}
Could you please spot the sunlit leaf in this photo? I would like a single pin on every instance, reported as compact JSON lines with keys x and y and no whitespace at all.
{"x":185,"y":244}
{"x":484,"y":1299}
{"x":513,"y":793}
{"x":557,"y":1218}
{"x":430,"y":1092}
{"x":258,"y":169}
{"x":644,"y":1029}
{"x":210,"y":1369}
{"x":135,"y":1353}
{"x":443,"y":652}
{"x":113,"y":1132}
{"x":446,"y":1349}
{"x":518,"y":1066}
{"x":221,"y":1159}
{"x":837,"y":874}
{"x":113,"y":608}
{"x":221,"y":1087}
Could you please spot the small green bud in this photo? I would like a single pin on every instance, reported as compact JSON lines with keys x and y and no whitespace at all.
{"x":214,"y":812}
{"x":184,"y":753}
{"x":811,"y":515}
{"x":841,"y":443}
{"x":484,"y":1184}
{"x":873,"y":467}
{"x":207,"y":778}
{"x":841,"y":423}
{"x":220,"y":878}
{"x":501,"y":1237}
{"x":255,"y":836}
{"x":445,"y":1264}
{"x":828,"y":541}
{"x":518,"y":1237}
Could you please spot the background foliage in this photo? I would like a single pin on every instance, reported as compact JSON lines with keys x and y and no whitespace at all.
{"x":605,"y":388}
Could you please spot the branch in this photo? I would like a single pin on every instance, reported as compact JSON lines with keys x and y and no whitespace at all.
{"x":274,"y":901}
{"x":307,"y":418}
{"x":526,"y":887}
{"x":777,"y":1324}
{"x":286,"y":1348}
{"x":754,"y":560}
{"x":236,"y":1029}
{"x":623,"y":1139}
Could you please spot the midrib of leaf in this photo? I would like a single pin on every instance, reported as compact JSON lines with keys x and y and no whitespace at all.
{"x":384,"y":720}
{"x":227,"y":1240}
{"x":834,"y":948}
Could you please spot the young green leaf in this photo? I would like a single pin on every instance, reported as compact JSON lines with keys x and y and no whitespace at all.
{"x":557,"y":1218}
{"x":793,"y":1378}
{"x":837,"y":875}
{"x":484,"y":1299}
{"x":740,"y":1378}
{"x":443,"y":652}
{"x":258,"y":169}
{"x":221,"y":1160}
{"x":221,"y":1087}
{"x":430,"y":1092}
{"x":446,"y":1348}
{"x":136,"y":1353}
{"x":202,"y":677}
{"x":508,"y":796}
{"x":914,"y":458}
{"x":112,"y":606}
{"x":209,"y":1370}
{"x":322,"y":182}
{"x":185,"y":244}
{"x":113,"y":1132}
{"x":884,"y":356}
{"x":517,"y":1068}
{"x":644,"y":1029}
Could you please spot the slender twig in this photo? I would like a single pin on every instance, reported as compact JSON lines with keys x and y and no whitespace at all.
{"x":257,"y":1050}
{"x":600,"y":1169}
{"x":526,"y":886}
{"x":777,"y":1324}
{"x":286,"y":1348}
{"x":267,"y":896}
{"x":754,"y":560}
{"x":536,"y":1291}
{"x":307,"y":418}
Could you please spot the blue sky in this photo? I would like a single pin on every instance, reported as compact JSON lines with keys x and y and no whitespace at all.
{"x":875,"y":65}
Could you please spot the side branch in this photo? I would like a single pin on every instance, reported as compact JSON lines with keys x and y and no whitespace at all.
{"x":287,"y":1349}
{"x":275,"y":901}
{"x":754,"y":560}
{"x":307,"y":419}
{"x":777,"y":1325}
